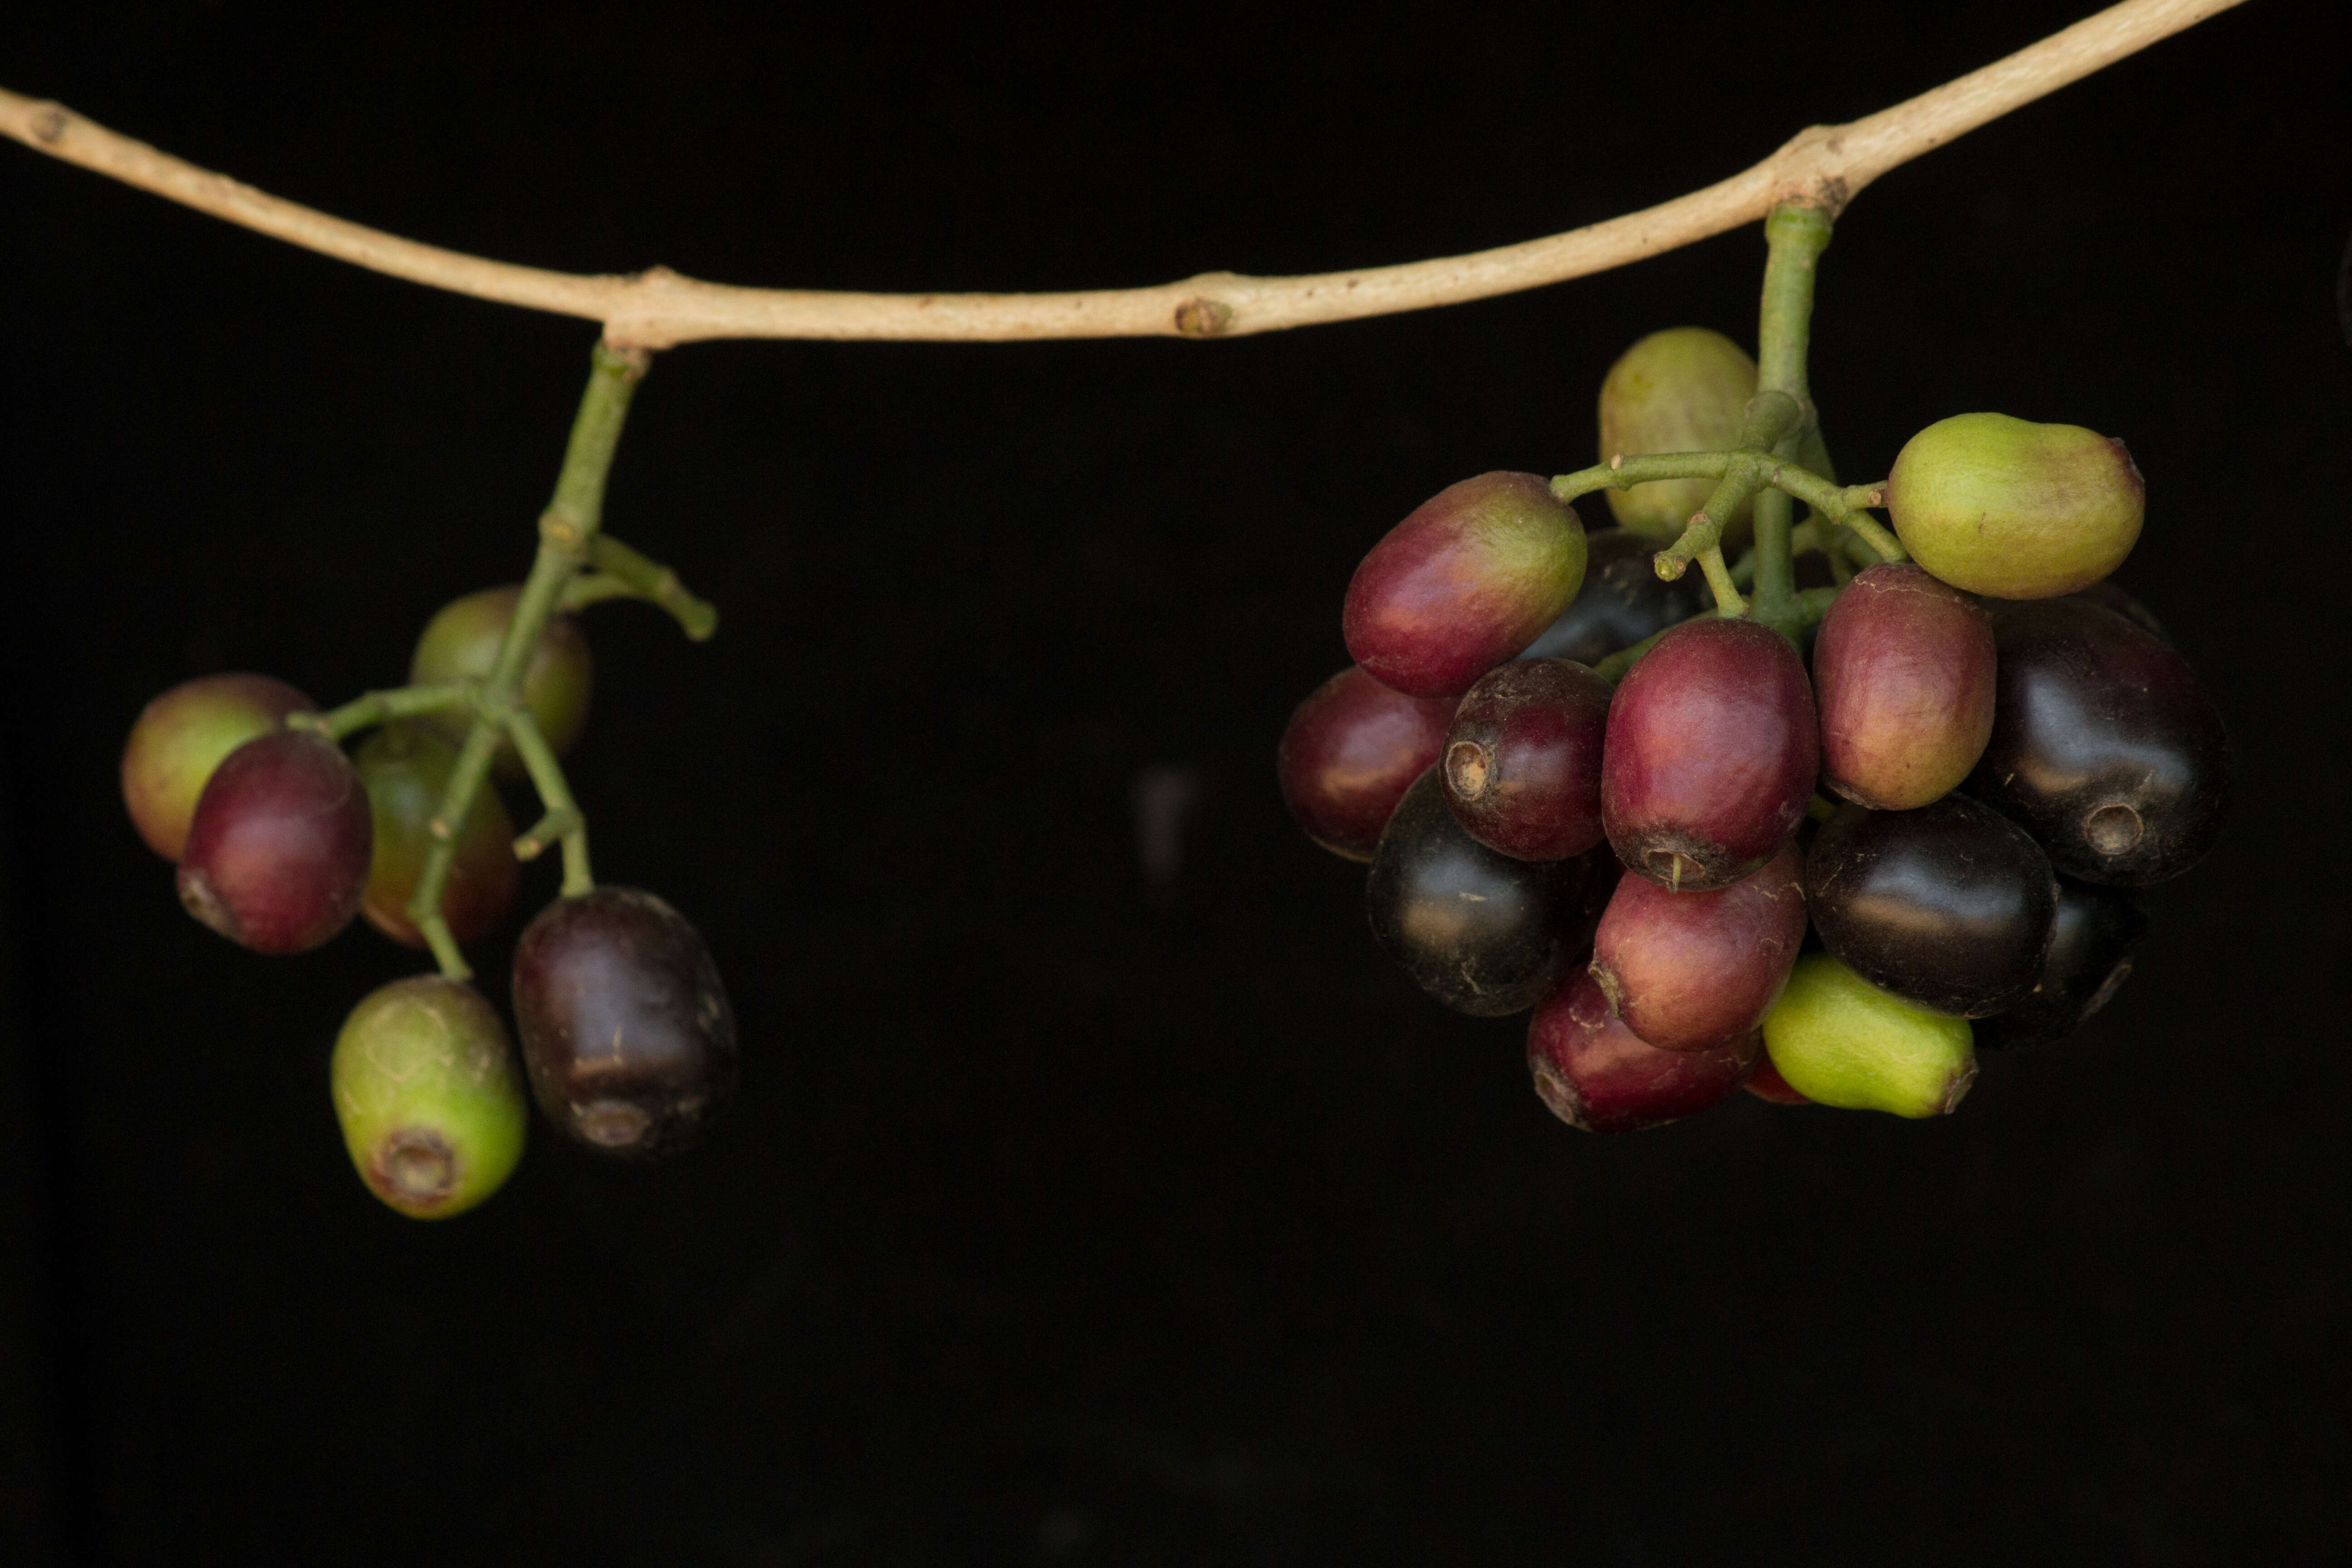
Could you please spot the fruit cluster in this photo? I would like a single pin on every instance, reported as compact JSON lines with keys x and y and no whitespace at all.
{"x":281,"y":838}
{"x":1828,"y":859}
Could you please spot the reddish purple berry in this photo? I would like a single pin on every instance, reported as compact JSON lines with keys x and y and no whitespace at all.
{"x":277,"y":858}
{"x":1522,"y":759}
{"x":1597,"y":1075}
{"x":1350,"y":752}
{"x":1689,"y":971}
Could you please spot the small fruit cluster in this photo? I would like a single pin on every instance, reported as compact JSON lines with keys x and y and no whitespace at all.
{"x":281,"y":838}
{"x":1641,"y":851}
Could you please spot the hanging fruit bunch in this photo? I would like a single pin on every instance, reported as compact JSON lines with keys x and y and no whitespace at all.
{"x":1826,"y":839}
{"x":282,"y":837}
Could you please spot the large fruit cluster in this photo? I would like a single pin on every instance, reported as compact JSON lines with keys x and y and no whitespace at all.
{"x":1828,"y":861}
{"x":281,"y":838}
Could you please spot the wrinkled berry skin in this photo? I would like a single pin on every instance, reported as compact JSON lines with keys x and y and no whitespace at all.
{"x":626,"y":1027}
{"x":2020,"y":510}
{"x":1948,"y":907}
{"x":183,"y":735}
{"x":1682,"y":390}
{"x":1350,"y":752}
{"x":1522,"y":759}
{"x":1597,"y":1075}
{"x":1903,"y":681}
{"x":406,"y":769}
{"x":461,"y":642}
{"x":277,"y":858}
{"x":2090,"y":957}
{"x":2105,"y":745}
{"x":1711,"y":754}
{"x":1465,"y":583}
{"x":431,"y":1105}
{"x":1480,"y":932}
{"x":1692,"y":970}
{"x":1623,"y":600}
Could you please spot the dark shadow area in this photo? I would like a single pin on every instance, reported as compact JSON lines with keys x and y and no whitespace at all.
{"x":1099,"y":1194}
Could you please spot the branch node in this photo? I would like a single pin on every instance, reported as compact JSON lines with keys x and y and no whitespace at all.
{"x":1202,"y":316}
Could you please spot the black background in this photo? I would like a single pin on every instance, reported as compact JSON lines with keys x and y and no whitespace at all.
{"x":1065,"y":1217}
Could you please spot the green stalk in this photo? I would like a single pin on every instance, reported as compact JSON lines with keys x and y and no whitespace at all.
{"x":1794,"y":237}
{"x":567,"y":535}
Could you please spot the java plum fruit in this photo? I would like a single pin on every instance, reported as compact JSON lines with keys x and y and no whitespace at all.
{"x":1481,"y":931}
{"x":1767,"y":1084}
{"x":2090,"y":957}
{"x":277,"y":857}
{"x":2105,"y":745}
{"x":1350,"y":752}
{"x":407,"y":770}
{"x":425,"y":1088}
{"x":1623,"y":600}
{"x":2007,"y":507}
{"x":1950,"y":906}
{"x":626,"y":1027}
{"x":180,"y":738}
{"x":1596,"y":1074}
{"x":461,"y":642}
{"x":1463,"y":583}
{"x":1711,"y":754}
{"x":1691,"y":970}
{"x":1522,"y":761}
{"x":1839,"y":1040}
{"x":1903,"y":680}
{"x":1682,"y":390}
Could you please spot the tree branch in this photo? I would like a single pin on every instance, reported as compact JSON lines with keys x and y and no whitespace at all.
{"x":1824,"y":166}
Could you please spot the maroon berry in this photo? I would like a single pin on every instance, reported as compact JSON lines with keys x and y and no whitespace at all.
{"x":183,"y":736}
{"x":1597,"y":1074}
{"x":277,"y":858}
{"x":1903,"y":675}
{"x":1350,"y":752}
{"x":1766,"y":1083}
{"x":1465,"y":583}
{"x":1689,"y":971}
{"x":1522,"y":759}
{"x":1711,"y":754}
{"x":625,"y":1025}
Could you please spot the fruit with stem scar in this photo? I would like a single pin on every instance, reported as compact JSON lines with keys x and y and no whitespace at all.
{"x":2021,"y":510}
{"x":1522,"y":760}
{"x":1691,"y":970}
{"x":1596,"y":1074}
{"x":183,"y":735}
{"x":626,"y":1027}
{"x":426,"y":1090}
{"x":1463,"y":583}
{"x":1711,"y":754}
{"x":277,"y":858}
{"x":1903,"y":678}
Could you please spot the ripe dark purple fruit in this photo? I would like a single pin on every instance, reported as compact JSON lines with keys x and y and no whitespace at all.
{"x":2090,"y":957}
{"x":1350,"y":752}
{"x":1482,"y":932}
{"x":1522,"y":759}
{"x":183,"y":736}
{"x":1690,"y":971}
{"x":406,"y":768}
{"x":461,"y":642}
{"x":1711,"y":754}
{"x":277,"y":858}
{"x":1463,"y":583}
{"x":1597,"y":1075}
{"x":1949,"y":907}
{"x":1623,"y":600}
{"x":625,"y":1028}
{"x":1903,"y":678}
{"x":2105,"y":745}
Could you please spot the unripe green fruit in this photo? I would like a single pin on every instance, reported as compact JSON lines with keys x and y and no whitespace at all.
{"x":1840,"y":1040}
{"x":461,"y":642}
{"x":1682,"y":390}
{"x":406,"y":769}
{"x":429,"y":1096}
{"x":2016,"y":509}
